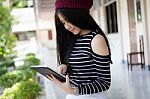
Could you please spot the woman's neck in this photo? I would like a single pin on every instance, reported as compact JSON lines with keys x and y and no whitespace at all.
{"x":85,"y":32}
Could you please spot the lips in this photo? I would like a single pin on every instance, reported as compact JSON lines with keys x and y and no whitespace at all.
{"x":72,"y":30}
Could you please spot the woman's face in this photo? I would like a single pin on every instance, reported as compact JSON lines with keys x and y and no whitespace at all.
{"x":69,"y":26}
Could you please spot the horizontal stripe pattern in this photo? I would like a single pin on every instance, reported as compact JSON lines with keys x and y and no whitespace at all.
{"x":89,"y":70}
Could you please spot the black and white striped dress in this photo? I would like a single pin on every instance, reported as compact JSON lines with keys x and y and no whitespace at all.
{"x":90,"y":70}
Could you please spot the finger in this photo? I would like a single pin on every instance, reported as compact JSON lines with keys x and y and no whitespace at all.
{"x":67,"y":80}
{"x":54,"y":78}
{"x":49,"y":77}
{"x":62,"y":71}
{"x":56,"y":81}
{"x":62,"y":68}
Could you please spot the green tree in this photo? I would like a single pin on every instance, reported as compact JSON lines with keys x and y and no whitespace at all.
{"x":7,"y":38}
{"x":18,"y":3}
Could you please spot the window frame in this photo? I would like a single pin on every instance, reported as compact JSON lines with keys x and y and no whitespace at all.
{"x":110,"y":29}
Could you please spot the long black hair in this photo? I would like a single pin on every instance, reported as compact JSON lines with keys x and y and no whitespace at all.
{"x":65,"y":39}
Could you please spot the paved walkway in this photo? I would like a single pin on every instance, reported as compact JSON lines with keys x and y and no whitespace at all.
{"x":126,"y":84}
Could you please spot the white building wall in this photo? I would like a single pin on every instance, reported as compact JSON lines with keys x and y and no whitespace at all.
{"x":43,"y":26}
{"x":148,"y":15}
{"x":42,"y":36}
{"x":95,"y":11}
{"x":114,"y":39}
{"x":142,"y":28}
{"x":24,"y":21}
{"x":122,"y":39}
{"x":148,"y":28}
{"x":124,"y":27}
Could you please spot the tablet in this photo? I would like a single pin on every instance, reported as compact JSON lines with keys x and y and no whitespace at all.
{"x":47,"y":71}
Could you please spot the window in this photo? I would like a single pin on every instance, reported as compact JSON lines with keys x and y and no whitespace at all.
{"x":138,"y":8}
{"x":111,"y":16}
{"x":107,"y":1}
{"x":22,"y":36}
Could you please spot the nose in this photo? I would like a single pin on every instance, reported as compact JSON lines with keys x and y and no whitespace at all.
{"x":67,"y":27}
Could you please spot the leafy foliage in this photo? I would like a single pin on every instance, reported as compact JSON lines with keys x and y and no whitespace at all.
{"x":7,"y":38}
{"x":30,"y":59}
{"x":22,"y":81}
{"x":18,"y":3}
{"x":10,"y":78}
{"x":19,"y":83}
{"x":3,"y":70}
{"x":23,"y":90}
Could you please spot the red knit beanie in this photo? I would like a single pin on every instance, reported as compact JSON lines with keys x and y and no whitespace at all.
{"x":79,"y":4}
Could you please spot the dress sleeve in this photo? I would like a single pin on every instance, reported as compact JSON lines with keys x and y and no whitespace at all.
{"x":103,"y":80}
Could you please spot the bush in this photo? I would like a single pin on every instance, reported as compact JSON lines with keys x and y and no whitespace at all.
{"x":3,"y":70}
{"x":30,"y":59}
{"x":24,"y":67}
{"x":19,"y":81}
{"x":10,"y":78}
{"x":23,"y":90}
{"x":19,"y":3}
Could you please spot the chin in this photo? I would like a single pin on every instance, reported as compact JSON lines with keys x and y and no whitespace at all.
{"x":75,"y":33}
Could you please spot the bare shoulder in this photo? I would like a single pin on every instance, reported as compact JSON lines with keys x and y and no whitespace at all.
{"x":99,"y":45}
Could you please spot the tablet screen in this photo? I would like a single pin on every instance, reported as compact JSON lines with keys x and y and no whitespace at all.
{"x":47,"y":71}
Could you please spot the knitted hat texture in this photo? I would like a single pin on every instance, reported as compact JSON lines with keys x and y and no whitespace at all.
{"x":79,"y":4}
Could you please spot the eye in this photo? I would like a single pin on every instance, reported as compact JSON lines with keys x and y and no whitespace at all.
{"x":63,"y":23}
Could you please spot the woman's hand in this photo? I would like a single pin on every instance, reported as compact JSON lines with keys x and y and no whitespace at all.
{"x":66,"y":86}
{"x":62,"y":68}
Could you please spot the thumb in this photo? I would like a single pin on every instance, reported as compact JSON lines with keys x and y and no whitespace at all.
{"x":67,"y":80}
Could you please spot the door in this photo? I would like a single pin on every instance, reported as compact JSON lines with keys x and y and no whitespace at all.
{"x":132,"y":28}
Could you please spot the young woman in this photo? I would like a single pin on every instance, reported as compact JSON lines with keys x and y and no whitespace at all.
{"x":83,"y":53}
